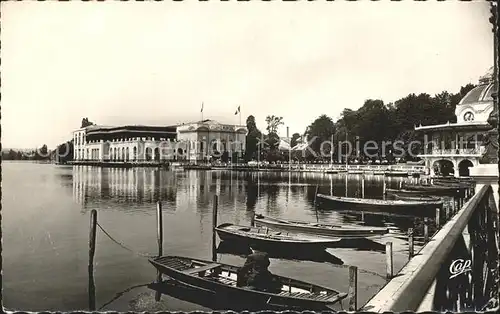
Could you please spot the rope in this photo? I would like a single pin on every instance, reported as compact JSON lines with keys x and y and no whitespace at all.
{"x":122,"y":245}
{"x":361,"y":270}
{"x":119,"y":294}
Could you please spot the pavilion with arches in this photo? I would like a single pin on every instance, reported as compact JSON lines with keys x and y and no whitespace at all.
{"x":454,"y":148}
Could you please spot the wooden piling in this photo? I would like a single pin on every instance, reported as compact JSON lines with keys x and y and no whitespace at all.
{"x":410,"y":243}
{"x":353,"y":288}
{"x":214,"y":225}
{"x":92,"y":236}
{"x":389,"y":260}
{"x":426,"y":230}
{"x":316,"y":195}
{"x":252,"y":219}
{"x":159,"y":230}
{"x":438,"y":216}
{"x":384,"y":188}
{"x":159,"y":227}
{"x":363,"y":186}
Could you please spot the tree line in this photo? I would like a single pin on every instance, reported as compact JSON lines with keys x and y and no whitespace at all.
{"x":374,"y":121}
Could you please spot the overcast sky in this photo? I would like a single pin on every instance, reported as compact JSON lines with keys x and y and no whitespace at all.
{"x":155,"y":63}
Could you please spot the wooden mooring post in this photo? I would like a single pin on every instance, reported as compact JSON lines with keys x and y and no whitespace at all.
{"x":410,"y":243}
{"x":214,"y":225}
{"x":159,"y":231}
{"x":426,"y":230}
{"x":353,"y":288}
{"x":389,"y":260}
{"x":438,"y":216}
{"x":252,"y":219}
{"x":159,"y":228}
{"x":92,"y":236}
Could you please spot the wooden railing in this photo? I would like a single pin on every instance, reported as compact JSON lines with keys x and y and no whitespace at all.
{"x":456,"y":271}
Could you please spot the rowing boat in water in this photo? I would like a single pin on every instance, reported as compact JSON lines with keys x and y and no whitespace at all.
{"x":452,"y":188}
{"x":265,"y":239}
{"x":218,"y":277}
{"x":422,"y":198}
{"x":363,"y":204}
{"x":434,"y":192}
{"x":319,"y":228}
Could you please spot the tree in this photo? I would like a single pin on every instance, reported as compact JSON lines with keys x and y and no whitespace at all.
{"x":322,"y":129}
{"x":273,"y":123}
{"x":252,"y":139}
{"x":294,"y":139}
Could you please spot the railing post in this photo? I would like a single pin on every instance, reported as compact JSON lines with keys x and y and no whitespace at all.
{"x":389,"y":260}
{"x":353,"y":288}
{"x":214,"y":225}
{"x":438,"y":216}
{"x":410,"y":243}
{"x":426,"y":230}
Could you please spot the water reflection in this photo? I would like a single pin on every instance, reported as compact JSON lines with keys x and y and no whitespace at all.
{"x":286,"y":195}
{"x":243,"y":250}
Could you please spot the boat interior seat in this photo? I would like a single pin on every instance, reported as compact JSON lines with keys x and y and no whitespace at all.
{"x":201,"y":270}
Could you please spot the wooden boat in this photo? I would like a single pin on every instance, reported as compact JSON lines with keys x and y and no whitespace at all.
{"x":429,"y":187}
{"x":422,"y":198}
{"x":319,"y":229}
{"x":218,"y":277}
{"x":362,"y":204}
{"x":265,"y":239}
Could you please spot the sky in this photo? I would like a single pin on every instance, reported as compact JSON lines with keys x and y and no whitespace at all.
{"x":154,"y":63}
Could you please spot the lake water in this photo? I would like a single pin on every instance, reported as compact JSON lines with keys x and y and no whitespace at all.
{"x":45,"y":229}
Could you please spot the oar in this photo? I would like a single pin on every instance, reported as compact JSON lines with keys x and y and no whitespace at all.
{"x":315,"y":208}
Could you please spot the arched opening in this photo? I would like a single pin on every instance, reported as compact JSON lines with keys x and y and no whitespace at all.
{"x":135,"y":153}
{"x":122,"y":154}
{"x":464,"y":167}
{"x":157,"y":154}
{"x":443,"y":167}
{"x":127,"y":156}
{"x":149,"y":153}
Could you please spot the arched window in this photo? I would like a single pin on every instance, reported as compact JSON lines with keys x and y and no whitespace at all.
{"x":127,"y":156}
{"x":135,"y":153}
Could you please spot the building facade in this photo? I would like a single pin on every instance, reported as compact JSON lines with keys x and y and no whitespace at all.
{"x":459,"y":146}
{"x":197,"y":141}
{"x":209,"y":139}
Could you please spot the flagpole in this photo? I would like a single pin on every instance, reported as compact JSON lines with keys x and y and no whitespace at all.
{"x":201,"y":111}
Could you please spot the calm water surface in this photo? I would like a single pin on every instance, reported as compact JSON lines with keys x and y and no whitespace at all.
{"x":45,"y":226}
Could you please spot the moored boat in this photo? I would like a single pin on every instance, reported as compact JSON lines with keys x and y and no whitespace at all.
{"x":426,"y":191}
{"x":319,"y":228}
{"x":362,"y":204}
{"x":422,"y":198}
{"x":266,"y":239}
{"x":218,"y":277}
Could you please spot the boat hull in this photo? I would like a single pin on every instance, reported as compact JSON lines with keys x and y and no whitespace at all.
{"x":243,"y":294}
{"x":260,"y":242}
{"x":332,"y":232}
{"x":402,"y":207}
